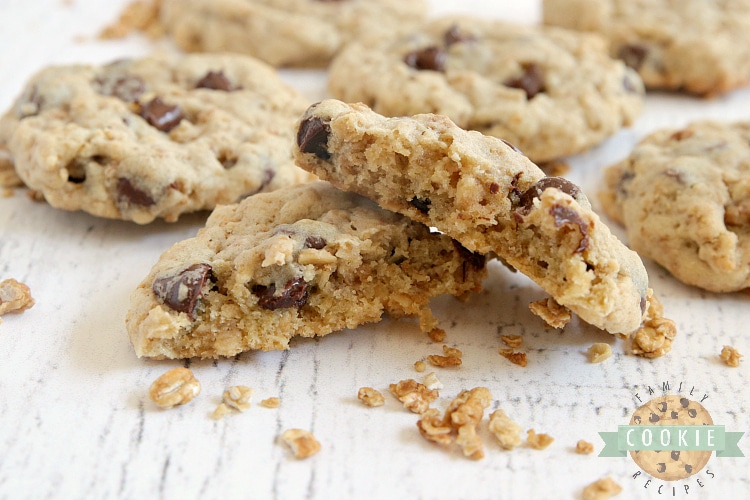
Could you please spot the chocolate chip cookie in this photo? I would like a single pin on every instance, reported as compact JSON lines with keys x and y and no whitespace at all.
{"x":684,"y":197}
{"x":484,"y":193}
{"x":549,"y":91}
{"x":701,"y":47}
{"x":287,"y":32}
{"x":155,"y":137}
{"x":304,"y":261}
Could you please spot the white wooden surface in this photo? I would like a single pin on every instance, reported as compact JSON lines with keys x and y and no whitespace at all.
{"x":76,"y":422}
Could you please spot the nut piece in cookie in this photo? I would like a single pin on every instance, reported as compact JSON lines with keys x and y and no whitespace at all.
{"x":551,"y":92}
{"x":485,"y":194}
{"x":684,"y":199}
{"x":306,"y":262}
{"x":141,"y":139}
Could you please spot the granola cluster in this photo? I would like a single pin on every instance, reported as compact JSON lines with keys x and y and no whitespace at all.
{"x":730,"y":356}
{"x":15,"y":297}
{"x":654,"y":338}
{"x":451,"y":358}
{"x":551,"y":312}
{"x":415,"y":397}
{"x":602,"y":489}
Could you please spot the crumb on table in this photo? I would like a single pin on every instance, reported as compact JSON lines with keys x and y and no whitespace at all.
{"x":654,"y":338}
{"x":414,"y":396}
{"x":517,"y":358}
{"x":584,"y":447}
{"x":730,"y":356}
{"x":370,"y":397}
{"x":177,"y":386}
{"x":15,"y":297}
{"x":551,"y":312}
{"x":599,"y":352}
{"x":538,"y":441}
{"x":505,"y":430}
{"x":452,"y":357}
{"x":601,"y":489}
{"x":302,"y":443}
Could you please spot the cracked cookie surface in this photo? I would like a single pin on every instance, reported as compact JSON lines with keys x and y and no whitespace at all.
{"x":549,"y":91}
{"x":683,"y":196}
{"x":304,"y":261}
{"x":154,"y":137}
{"x":701,"y":47}
{"x":285,"y":32}
{"x":485,"y":194}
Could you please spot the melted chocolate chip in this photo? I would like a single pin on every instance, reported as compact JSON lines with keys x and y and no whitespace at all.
{"x":633,"y":55}
{"x":564,"y":215}
{"x":315,"y":242}
{"x":531,"y":81}
{"x":125,"y":87}
{"x":312,"y":137}
{"x":421,"y":205}
{"x":183,"y":291}
{"x":294,"y":294}
{"x":127,"y":192}
{"x":215,"y":80}
{"x":476,"y":260}
{"x":429,"y":58}
{"x":454,"y":35}
{"x":526,"y":200}
{"x":160,"y":115}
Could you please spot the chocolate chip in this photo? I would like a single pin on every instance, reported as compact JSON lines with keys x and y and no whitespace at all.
{"x":160,"y":115}
{"x":564,"y":215}
{"x":653,"y":418}
{"x":127,"y":192}
{"x":674,"y":415}
{"x":476,"y":260}
{"x":494,"y":188}
{"x":429,"y":58}
{"x":183,"y":291}
{"x":315,"y":242}
{"x":511,"y":146}
{"x":421,"y":205}
{"x":675,"y":455}
{"x":633,"y":55}
{"x":216,"y":80}
{"x":661,"y":467}
{"x":526,"y":200}
{"x":125,"y":87}
{"x":692,"y":412}
{"x":454,"y":35}
{"x":312,"y":137}
{"x":294,"y":294}
{"x":684,"y":402}
{"x":531,"y":81}
{"x":688,"y":468}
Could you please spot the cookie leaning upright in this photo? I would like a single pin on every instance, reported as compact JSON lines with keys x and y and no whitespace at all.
{"x":304,"y":261}
{"x":683,"y":196}
{"x":286,"y":33}
{"x":549,"y":91}
{"x":485,"y":194}
{"x":154,"y":137}
{"x":692,"y":45}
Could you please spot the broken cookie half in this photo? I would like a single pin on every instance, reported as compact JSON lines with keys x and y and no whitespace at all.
{"x":305,"y":262}
{"x":483,"y":192}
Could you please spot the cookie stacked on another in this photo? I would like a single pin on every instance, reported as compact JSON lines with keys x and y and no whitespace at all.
{"x":154,"y":137}
{"x":549,"y":91}
{"x":487,"y":195}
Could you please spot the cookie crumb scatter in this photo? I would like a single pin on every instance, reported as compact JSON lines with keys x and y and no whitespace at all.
{"x":414,"y":396}
{"x":551,"y":312}
{"x":730,"y":356}
{"x":420,"y":366}
{"x":370,"y":397}
{"x":437,"y":335}
{"x":238,"y":397}
{"x":599,"y":352}
{"x":505,"y":430}
{"x":584,"y":447}
{"x":517,"y":358}
{"x":178,"y":386}
{"x":452,"y":358}
{"x":538,"y":441}
{"x":302,"y":443}
{"x":141,"y":15}
{"x":512,"y":340}
{"x":15,"y":297}
{"x":654,"y":338}
{"x":271,"y":403}
{"x":601,"y":490}
{"x":432,"y":382}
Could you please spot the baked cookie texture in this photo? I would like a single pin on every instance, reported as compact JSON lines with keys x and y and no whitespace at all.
{"x":304,"y":261}
{"x":683,"y":196}
{"x":701,"y":47}
{"x":551,"y":92}
{"x":484,"y":193}
{"x":286,"y":32}
{"x":154,"y":137}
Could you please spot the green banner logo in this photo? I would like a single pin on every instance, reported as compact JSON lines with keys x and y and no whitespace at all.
{"x":670,"y":438}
